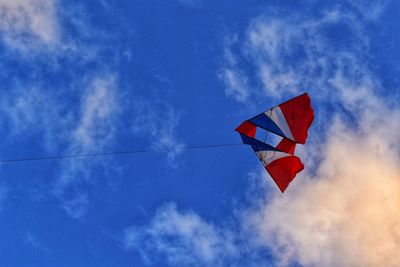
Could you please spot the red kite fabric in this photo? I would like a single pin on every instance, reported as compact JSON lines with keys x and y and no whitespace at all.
{"x":289,"y":120}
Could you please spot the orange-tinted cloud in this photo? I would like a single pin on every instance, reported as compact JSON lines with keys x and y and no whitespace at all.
{"x":348,"y":213}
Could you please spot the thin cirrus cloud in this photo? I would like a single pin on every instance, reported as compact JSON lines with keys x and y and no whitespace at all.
{"x":99,"y":108}
{"x":33,"y":241}
{"x":159,"y":121}
{"x":94,"y":131}
{"x":326,"y":217}
{"x":292,"y":53}
{"x":236,"y":82}
{"x":22,"y":109}
{"x":183,"y":237}
{"x":91,"y":129}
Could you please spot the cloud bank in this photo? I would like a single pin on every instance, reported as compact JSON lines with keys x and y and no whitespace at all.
{"x":347,"y":213}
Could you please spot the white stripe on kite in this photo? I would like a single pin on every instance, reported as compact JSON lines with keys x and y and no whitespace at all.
{"x":277,"y":116}
{"x":267,"y":156}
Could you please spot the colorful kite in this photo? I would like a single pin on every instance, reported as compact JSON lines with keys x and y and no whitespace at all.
{"x":290,"y":121}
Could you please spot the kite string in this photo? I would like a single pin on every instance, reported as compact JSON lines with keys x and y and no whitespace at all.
{"x":127,"y":152}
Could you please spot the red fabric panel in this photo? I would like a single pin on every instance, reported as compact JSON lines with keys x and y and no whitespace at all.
{"x":299,"y":116}
{"x":284,"y":170}
{"x":247,"y":128}
{"x":286,"y":145}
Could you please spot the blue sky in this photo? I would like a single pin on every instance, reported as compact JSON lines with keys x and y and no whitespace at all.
{"x":101,"y":76}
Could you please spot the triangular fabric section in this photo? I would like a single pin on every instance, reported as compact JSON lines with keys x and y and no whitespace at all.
{"x":284,"y":170}
{"x":299,"y":115}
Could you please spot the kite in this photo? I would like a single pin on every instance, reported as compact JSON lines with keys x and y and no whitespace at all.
{"x":290,"y":122}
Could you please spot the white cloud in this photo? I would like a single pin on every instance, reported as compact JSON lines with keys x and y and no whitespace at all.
{"x":63,"y":130}
{"x":183,"y":238}
{"x":159,"y":122}
{"x":94,"y":132}
{"x":33,"y":108}
{"x":371,"y":10}
{"x":76,"y":205}
{"x":236,"y":84}
{"x":24,"y":22}
{"x":269,"y":41}
{"x":56,"y":33}
{"x":37,"y":109}
{"x":294,"y":53}
{"x":21,"y":106}
{"x":89,"y":127}
{"x":99,"y":107}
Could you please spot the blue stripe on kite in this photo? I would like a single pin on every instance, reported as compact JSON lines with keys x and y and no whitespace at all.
{"x":266,"y":123}
{"x":256,"y":144}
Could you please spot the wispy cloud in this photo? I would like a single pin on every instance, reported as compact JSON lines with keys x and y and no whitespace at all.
{"x":32,"y":108}
{"x":56,"y":34}
{"x":290,"y":54}
{"x":183,"y":238}
{"x":4,"y":190}
{"x":33,"y":241}
{"x":190,"y":3}
{"x":94,"y":131}
{"x":236,"y":83}
{"x":158,"y":121}
{"x":99,"y":107}
{"x":27,"y":22}
{"x":371,"y":10}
